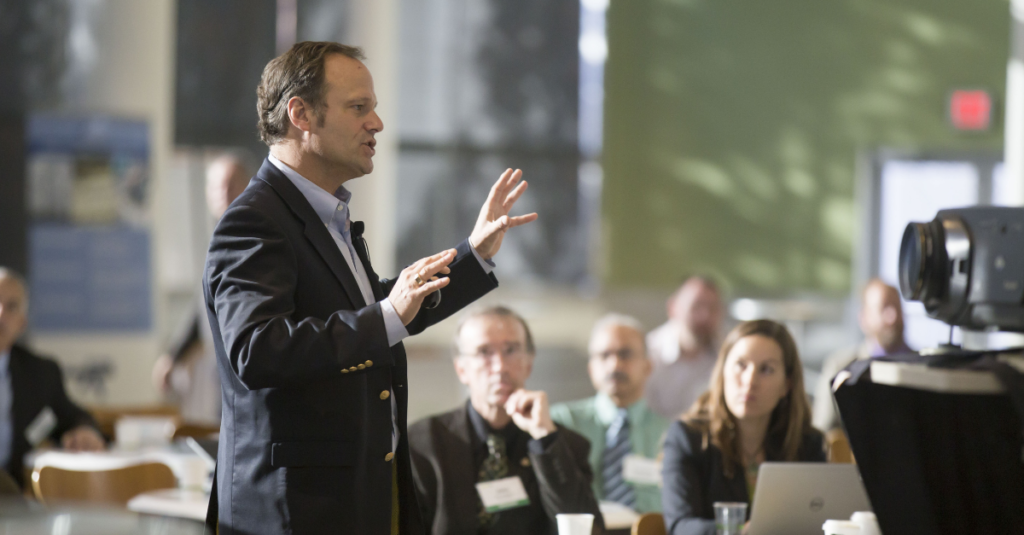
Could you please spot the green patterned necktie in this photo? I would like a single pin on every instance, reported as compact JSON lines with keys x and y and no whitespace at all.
{"x":495,"y":467}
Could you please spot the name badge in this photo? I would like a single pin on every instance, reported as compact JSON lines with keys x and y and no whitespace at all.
{"x":502,"y":494}
{"x":640,"y":470}
{"x":41,"y":427}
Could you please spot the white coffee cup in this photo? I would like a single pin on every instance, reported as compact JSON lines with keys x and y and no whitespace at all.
{"x":840,"y":527}
{"x":581,"y":524}
{"x":867,"y":521}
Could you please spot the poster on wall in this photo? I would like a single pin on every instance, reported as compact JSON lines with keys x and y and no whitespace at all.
{"x":89,"y":240}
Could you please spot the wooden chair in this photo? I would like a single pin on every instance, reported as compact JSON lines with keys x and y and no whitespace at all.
{"x":839,"y":447}
{"x":185,"y":429}
{"x":115,"y":486}
{"x":649,"y":524}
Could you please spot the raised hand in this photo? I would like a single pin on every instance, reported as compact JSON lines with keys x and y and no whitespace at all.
{"x":418,"y":281}
{"x":529,"y":411}
{"x":494,"y":220}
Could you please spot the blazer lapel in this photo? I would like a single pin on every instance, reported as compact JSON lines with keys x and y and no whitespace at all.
{"x":315,"y":230}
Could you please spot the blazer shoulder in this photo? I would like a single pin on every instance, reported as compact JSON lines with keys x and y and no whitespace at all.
{"x":686,"y":438}
{"x":30,"y":360}
{"x":812,"y":446}
{"x":423,"y":433}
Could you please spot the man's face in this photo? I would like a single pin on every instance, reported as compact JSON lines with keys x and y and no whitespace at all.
{"x":345,"y":139}
{"x":618,"y":364}
{"x":881,"y":317}
{"x":493,"y":361}
{"x":13,"y":312}
{"x":697,"y":309}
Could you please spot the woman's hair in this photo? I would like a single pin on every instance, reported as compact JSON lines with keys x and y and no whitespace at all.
{"x":790,"y":419}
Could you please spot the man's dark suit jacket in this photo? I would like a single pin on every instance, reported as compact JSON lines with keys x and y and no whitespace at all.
{"x":557,"y":480}
{"x":37,"y":383}
{"x":694,"y":478}
{"x":306,"y":434}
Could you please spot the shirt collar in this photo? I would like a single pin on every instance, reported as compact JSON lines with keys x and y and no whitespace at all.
{"x":5,"y":361}
{"x":606,"y":410}
{"x":326,"y":206}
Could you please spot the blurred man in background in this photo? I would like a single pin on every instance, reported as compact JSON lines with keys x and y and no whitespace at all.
{"x":33,"y":404}
{"x":503,"y":435}
{"x":881,"y":321}
{"x":188,"y":371}
{"x":623,"y":431}
{"x":683,"y":350}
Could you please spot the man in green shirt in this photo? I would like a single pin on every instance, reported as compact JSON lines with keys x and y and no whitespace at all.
{"x":625,"y":435}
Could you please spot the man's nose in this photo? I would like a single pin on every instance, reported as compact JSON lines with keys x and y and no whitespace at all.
{"x":376,"y":124}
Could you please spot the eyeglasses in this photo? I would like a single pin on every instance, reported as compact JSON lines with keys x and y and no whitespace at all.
{"x":509,"y":352}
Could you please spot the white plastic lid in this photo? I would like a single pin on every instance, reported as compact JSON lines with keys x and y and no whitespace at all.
{"x":840,"y":527}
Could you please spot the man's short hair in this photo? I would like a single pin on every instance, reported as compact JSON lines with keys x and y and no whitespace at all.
{"x":299,"y":72}
{"x":8,"y":273}
{"x":614,"y":319}
{"x":500,"y":311}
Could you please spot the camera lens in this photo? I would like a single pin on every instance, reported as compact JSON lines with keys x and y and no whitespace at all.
{"x":923,"y":262}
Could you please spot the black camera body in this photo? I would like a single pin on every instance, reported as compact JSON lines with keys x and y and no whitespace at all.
{"x":967,"y":267}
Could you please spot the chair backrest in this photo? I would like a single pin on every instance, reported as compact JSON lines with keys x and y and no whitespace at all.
{"x":115,"y":486}
{"x":195,"y":430}
{"x":839,"y":447}
{"x":649,"y":524}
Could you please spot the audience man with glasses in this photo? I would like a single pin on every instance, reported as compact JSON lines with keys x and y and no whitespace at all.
{"x":498,"y":464}
{"x":625,"y":435}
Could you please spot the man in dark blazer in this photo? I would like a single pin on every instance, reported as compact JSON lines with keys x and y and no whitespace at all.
{"x":503,"y":435}
{"x":315,"y":388}
{"x":33,"y":404}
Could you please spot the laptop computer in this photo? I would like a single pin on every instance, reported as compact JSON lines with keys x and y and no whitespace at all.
{"x":797,"y":498}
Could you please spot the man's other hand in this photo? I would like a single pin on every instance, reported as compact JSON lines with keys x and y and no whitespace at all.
{"x":494,"y":219}
{"x":82,"y":438}
{"x":408,"y":292}
{"x":529,"y":411}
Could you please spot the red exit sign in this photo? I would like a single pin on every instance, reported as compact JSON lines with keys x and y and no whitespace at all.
{"x":970,"y":109}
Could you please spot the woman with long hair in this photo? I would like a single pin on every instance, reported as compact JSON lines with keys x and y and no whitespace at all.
{"x":756,"y":410}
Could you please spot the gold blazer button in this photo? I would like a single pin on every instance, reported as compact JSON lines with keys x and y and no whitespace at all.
{"x":389,"y":456}
{"x":369,"y":363}
{"x":385,"y":394}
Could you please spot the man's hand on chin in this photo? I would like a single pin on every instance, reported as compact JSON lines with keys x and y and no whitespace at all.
{"x":494,"y":220}
{"x":529,"y":411}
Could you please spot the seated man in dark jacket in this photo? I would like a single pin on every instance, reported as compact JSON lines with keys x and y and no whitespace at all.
{"x":498,"y":464}
{"x":33,"y":404}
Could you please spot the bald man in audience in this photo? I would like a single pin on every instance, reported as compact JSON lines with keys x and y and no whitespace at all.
{"x":625,"y":435}
{"x":881,"y":321}
{"x":33,"y":404}
{"x":187,"y":373}
{"x":683,"y":350}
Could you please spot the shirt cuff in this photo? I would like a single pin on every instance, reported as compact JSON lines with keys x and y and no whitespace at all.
{"x":539,"y":446}
{"x":392,"y":323}
{"x":486,"y":264}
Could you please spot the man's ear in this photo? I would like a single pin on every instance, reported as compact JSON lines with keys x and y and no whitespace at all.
{"x":299,"y":114}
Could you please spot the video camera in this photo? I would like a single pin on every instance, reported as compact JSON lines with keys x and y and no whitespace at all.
{"x":967,"y":267}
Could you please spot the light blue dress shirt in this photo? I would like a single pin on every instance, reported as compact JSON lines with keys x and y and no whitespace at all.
{"x":6,"y":419}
